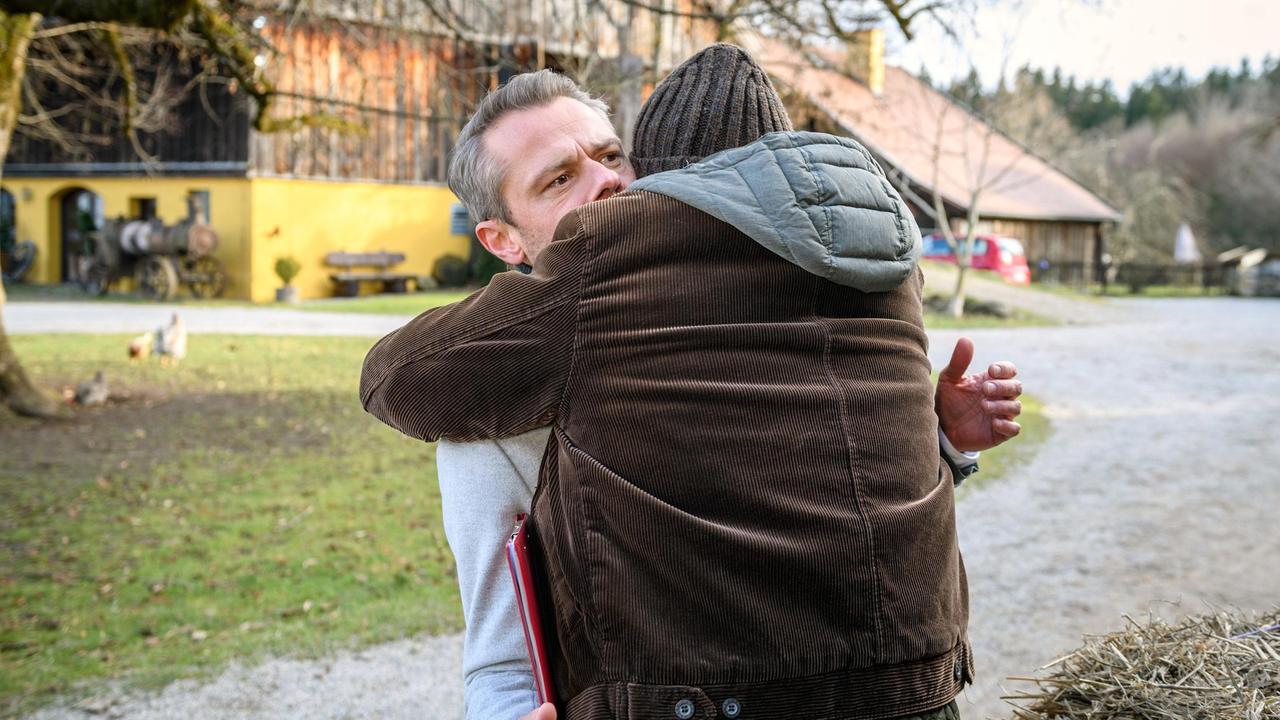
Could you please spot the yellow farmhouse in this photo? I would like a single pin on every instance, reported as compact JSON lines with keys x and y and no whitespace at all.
{"x":302,"y":194}
{"x":258,"y":219}
{"x":404,"y":81}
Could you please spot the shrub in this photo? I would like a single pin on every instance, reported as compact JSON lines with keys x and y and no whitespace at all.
{"x":450,"y":271}
{"x":287,"y":268}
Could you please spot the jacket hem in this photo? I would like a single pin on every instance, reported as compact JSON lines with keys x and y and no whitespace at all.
{"x":869,"y":693}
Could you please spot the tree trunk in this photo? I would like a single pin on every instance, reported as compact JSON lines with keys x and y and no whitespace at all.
{"x":956,"y":306}
{"x":964,"y":257}
{"x":16,"y":390}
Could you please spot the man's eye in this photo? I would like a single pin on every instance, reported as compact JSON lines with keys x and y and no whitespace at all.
{"x":613,"y":157}
{"x":559,"y":181}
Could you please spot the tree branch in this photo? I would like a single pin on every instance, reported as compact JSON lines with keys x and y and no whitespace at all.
{"x":227,"y":42}
{"x":719,"y":17}
{"x":70,"y":28}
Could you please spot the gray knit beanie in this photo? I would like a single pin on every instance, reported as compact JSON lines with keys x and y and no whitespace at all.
{"x":717,"y":100}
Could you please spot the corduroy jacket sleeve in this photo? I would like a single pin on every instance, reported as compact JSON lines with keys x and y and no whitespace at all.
{"x":490,"y":366}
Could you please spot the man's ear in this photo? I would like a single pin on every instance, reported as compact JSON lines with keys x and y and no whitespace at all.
{"x":501,"y":239}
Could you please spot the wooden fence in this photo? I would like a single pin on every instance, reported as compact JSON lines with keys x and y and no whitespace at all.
{"x":1209,"y":278}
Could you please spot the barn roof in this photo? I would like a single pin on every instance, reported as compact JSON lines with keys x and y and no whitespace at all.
{"x":904,"y":124}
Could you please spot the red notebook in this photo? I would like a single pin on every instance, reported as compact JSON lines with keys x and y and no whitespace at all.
{"x":520,"y":560}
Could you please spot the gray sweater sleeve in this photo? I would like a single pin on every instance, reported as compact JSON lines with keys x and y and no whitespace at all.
{"x":483,"y":486}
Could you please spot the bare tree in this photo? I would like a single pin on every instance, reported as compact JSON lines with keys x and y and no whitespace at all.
{"x":1028,"y":118}
{"x":620,"y":51}
{"x":211,"y":25}
{"x":16,"y":31}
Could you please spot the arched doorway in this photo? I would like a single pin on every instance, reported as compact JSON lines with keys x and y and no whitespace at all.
{"x":79,"y":213}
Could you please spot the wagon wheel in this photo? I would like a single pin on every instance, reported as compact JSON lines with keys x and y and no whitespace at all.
{"x":96,"y":278}
{"x":205,"y":276}
{"x":157,"y":278}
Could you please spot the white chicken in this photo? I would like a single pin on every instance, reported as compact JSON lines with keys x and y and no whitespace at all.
{"x":171,"y":341}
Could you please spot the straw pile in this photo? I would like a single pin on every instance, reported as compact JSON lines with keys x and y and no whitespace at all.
{"x":1211,"y":667}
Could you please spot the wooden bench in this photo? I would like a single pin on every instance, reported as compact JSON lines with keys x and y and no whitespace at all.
{"x":347,"y":283}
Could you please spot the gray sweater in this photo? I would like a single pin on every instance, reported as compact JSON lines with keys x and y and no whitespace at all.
{"x":483,"y":486}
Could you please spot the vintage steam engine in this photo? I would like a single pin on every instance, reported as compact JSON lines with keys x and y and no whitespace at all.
{"x":159,"y":257}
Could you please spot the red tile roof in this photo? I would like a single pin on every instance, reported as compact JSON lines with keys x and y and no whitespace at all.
{"x":904,"y":124}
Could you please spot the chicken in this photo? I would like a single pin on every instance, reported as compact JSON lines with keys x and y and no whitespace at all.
{"x":140,"y":347}
{"x":94,"y":392}
{"x":171,"y":341}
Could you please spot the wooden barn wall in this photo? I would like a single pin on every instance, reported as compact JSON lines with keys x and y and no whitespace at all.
{"x":411,"y":90}
{"x":400,"y":76}
{"x":1053,"y":241}
{"x":663,"y":31}
{"x":210,"y":124}
{"x":407,"y":94}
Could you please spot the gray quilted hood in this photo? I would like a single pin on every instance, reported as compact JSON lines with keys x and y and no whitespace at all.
{"x":816,"y":200}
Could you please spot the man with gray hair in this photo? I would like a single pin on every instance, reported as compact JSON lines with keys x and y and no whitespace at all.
{"x":535,"y":150}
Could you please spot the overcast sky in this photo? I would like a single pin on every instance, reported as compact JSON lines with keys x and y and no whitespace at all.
{"x":1119,"y":39}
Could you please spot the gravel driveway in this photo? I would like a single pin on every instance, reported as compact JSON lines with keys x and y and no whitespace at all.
{"x":104,"y":317}
{"x":1161,"y":484}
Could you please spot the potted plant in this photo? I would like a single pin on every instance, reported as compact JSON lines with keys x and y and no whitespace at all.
{"x":287,"y":268}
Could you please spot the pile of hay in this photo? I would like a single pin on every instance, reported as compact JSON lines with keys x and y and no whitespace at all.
{"x":1212,"y":667}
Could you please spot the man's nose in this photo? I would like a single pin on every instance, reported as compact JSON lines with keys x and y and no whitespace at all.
{"x":608,"y":182}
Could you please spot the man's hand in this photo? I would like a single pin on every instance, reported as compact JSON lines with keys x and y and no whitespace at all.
{"x":546,"y":712}
{"x":977,"y":411}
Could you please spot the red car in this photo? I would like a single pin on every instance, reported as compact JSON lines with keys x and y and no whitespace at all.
{"x":990,"y":252}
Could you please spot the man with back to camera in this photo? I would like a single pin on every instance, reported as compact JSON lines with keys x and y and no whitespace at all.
{"x":550,"y":116}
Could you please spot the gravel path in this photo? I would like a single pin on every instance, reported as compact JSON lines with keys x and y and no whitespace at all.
{"x":405,"y":680}
{"x":1160,"y":484}
{"x":103,"y":317}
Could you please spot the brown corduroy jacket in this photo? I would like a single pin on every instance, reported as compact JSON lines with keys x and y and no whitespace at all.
{"x":742,"y":507}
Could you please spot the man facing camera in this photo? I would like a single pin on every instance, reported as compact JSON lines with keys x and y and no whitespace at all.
{"x":742,"y":503}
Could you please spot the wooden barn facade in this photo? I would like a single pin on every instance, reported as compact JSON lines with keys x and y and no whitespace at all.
{"x":405,"y":80}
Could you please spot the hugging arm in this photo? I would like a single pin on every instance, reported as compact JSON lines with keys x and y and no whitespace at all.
{"x":977,"y":411}
{"x":493,"y":365}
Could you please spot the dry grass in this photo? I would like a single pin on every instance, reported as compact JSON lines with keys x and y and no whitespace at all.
{"x":1210,"y":667}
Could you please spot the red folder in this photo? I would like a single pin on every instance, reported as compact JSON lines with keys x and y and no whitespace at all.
{"x":520,"y":552}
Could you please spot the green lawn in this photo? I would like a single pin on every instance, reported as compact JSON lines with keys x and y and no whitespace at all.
{"x":242,"y":503}
{"x":1018,"y":318}
{"x":237,"y":505}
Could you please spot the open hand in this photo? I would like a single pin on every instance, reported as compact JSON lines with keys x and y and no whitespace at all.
{"x":977,"y":411}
